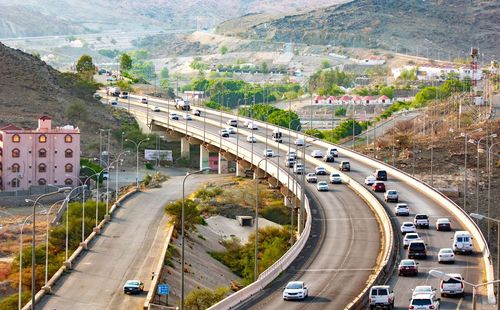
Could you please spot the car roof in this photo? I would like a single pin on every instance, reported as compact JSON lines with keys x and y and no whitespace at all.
{"x":443,"y":219}
{"x":423,"y":296}
{"x":296,"y":282}
{"x":446,"y":249}
{"x":381,"y":286}
{"x":423,"y":287}
{"x":132,"y":282}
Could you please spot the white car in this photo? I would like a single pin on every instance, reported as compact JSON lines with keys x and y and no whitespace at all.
{"x":299,"y":142}
{"x":251,"y":139}
{"x":295,"y":290}
{"x":144,"y":100}
{"x":409,"y":237}
{"x":133,"y":287}
{"x":174,"y":116}
{"x":424,"y":302}
{"x":446,"y":255}
{"x":187,"y":117}
{"x":231,"y":130}
{"x":402,"y":209}
{"x":252,"y":126}
{"x":196,"y":112}
{"x":423,"y":289}
{"x":391,"y":196}
{"x":292,"y":154}
{"x":369,"y":180}
{"x":156,"y":109}
{"x":268,"y":153}
{"x":224,"y":133}
{"x":317,"y":154}
{"x":335,"y":178}
{"x":311,"y":178}
{"x":298,"y":168}
{"x":408,"y":227}
{"x":320,"y":171}
{"x":322,"y":186}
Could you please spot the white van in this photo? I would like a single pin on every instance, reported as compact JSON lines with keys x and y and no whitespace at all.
{"x":332,"y":151}
{"x":462,"y":242}
{"x":232,"y":123}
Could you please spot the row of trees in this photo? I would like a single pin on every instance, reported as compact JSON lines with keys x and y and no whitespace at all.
{"x":273,"y":115}
{"x":343,"y":130}
{"x":327,"y":82}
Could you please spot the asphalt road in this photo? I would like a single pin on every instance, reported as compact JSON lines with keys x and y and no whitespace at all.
{"x":128,"y":248}
{"x":469,"y":266}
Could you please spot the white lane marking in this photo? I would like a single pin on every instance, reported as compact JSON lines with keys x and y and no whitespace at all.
{"x":448,"y":267}
{"x":345,"y":219}
{"x":459,"y":303}
{"x":336,"y":269}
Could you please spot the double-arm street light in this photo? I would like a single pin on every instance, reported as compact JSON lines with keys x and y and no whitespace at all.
{"x":182,"y":229}
{"x":489,"y":184}
{"x":97,"y":174}
{"x":478,"y":144}
{"x":481,"y":217}
{"x":446,"y":277}
{"x":33,"y":241}
{"x":66,"y":200}
{"x":137,"y":145}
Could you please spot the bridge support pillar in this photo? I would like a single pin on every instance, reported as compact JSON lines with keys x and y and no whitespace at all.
{"x":223,"y":164}
{"x":184,"y":148}
{"x":204,"y":157}
{"x":239,"y":170}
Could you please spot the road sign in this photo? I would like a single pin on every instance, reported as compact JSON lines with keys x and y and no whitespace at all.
{"x":163,"y":289}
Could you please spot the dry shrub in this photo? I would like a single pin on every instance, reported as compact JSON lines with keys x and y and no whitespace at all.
{"x":5,"y":270}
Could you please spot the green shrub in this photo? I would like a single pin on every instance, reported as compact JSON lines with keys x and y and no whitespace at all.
{"x":203,"y":298}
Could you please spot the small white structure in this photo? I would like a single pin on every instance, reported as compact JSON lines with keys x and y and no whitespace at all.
{"x":428,"y":72}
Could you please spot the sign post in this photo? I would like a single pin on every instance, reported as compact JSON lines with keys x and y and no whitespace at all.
{"x":164,"y":289}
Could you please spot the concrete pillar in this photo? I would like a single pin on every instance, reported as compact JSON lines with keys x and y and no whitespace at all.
{"x":184,"y":148}
{"x":285,"y":201}
{"x":239,"y":170}
{"x":203,"y":157}
{"x":222,"y":164}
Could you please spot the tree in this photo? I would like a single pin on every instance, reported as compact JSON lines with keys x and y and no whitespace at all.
{"x":164,"y":73}
{"x":325,"y":64}
{"x":203,"y":298}
{"x":85,"y":67}
{"x":125,"y":62}
{"x":223,"y":49}
{"x":191,"y":214}
{"x":387,"y":91}
{"x":263,"y":67}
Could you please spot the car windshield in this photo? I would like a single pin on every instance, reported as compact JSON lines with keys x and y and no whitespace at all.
{"x":335,"y":175}
{"x":417,"y":246}
{"x":421,"y":302}
{"x":446,"y":251}
{"x":408,"y":263}
{"x":294,"y":286}
{"x":407,"y":224}
{"x":423,"y":289}
{"x":410,"y":236}
{"x":133,"y":283}
{"x":421,"y":217}
{"x":379,"y":292}
{"x":451,"y":280}
{"x":322,"y":183}
{"x":392,"y":192}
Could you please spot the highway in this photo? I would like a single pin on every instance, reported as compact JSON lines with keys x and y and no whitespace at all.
{"x":128,"y":248}
{"x":341,"y":252}
{"x":469,"y":266}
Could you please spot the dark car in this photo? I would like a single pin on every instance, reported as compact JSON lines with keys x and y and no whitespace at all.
{"x":345,"y":166}
{"x":378,"y":187}
{"x":408,"y":267}
{"x":329,"y":158}
{"x":133,"y":287}
{"x":417,"y":249}
{"x":380,"y":175}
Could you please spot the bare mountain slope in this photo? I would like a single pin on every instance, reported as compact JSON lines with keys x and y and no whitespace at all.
{"x":440,"y":25}
{"x":30,"y":89}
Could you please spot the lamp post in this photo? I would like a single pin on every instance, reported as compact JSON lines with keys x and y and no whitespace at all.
{"x":97,"y":174}
{"x":480,"y":217}
{"x":445,"y":277}
{"x":66,"y":200}
{"x":182,"y":230}
{"x":477,"y":167}
{"x":46,"y":287}
{"x":33,"y":241}
{"x":489,"y":185}
{"x":466,"y":136}
{"x":137,"y":159}
{"x":116,"y":171}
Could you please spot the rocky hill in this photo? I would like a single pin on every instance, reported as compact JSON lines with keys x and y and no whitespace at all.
{"x":63,"y":17}
{"x":445,"y":26}
{"x":29,"y":89}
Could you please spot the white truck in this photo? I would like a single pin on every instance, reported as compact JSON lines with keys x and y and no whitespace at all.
{"x":114,"y":91}
{"x":277,"y":136}
{"x":180,"y":104}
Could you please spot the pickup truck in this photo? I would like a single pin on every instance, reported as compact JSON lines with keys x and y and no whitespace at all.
{"x":421,"y":220}
{"x":381,"y":296}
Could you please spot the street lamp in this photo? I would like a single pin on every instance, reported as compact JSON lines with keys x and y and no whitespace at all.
{"x":489,"y":183}
{"x":481,"y":217}
{"x":97,"y":174}
{"x":256,"y":264}
{"x":33,"y":241}
{"x":116,"y":171}
{"x":478,"y":142}
{"x":446,"y":277}
{"x":137,"y":160}
{"x":182,"y":229}
{"x":466,"y":136}
{"x":46,"y":287}
{"x":66,"y":200}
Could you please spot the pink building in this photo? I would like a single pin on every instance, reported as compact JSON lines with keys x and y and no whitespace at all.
{"x":39,"y":156}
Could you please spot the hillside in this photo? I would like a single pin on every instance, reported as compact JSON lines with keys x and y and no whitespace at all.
{"x":30,"y":89}
{"x":63,"y":17}
{"x":445,"y":26}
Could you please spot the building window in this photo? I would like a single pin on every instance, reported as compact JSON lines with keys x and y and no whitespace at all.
{"x":42,"y":168}
{"x":42,"y":181}
{"x":16,"y":138}
{"x":68,"y":182}
{"x":68,"y":138}
{"x":15,"y":182}
{"x":15,"y":168}
{"x":68,"y":168}
{"x":68,"y":153}
{"x":42,"y":153}
{"x":42,"y":138}
{"x":16,"y":153}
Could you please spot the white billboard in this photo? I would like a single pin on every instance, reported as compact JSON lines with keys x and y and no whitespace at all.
{"x":155,"y":154}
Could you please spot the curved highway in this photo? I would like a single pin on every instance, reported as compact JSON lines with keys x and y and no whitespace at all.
{"x":471,"y":267}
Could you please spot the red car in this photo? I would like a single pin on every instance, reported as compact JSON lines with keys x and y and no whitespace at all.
{"x":378,"y":187}
{"x":408,"y":267}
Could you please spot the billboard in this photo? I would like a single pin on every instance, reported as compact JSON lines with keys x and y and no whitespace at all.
{"x":155,"y":154}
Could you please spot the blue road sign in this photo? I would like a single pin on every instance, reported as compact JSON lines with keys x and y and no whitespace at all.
{"x":163,"y":289}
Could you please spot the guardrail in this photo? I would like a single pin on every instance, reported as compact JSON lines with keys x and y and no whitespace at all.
{"x":60,"y":272}
{"x":426,"y":189}
{"x":159,"y":267}
{"x":384,"y":261}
